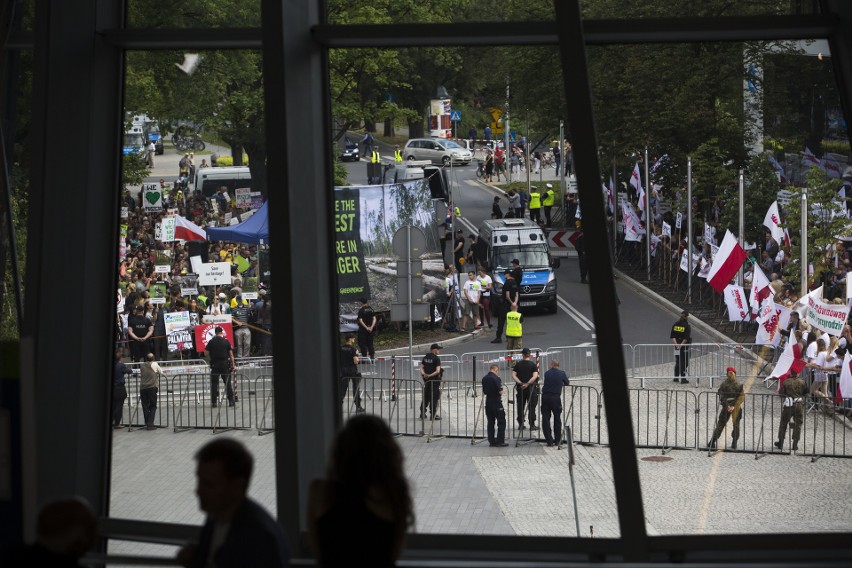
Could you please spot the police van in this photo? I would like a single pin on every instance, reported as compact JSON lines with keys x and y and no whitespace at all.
{"x":502,"y":240}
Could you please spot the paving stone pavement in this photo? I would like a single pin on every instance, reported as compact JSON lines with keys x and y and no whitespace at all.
{"x":524,"y":490}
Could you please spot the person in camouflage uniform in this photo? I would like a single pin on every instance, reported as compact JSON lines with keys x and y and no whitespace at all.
{"x":792,"y":392}
{"x":731,"y":398}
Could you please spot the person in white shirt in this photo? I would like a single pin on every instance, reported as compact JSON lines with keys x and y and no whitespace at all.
{"x":485,"y":286}
{"x":470,"y":301}
{"x":151,"y":149}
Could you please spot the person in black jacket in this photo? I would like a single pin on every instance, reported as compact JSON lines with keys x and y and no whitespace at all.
{"x":681,"y":336}
{"x":492,"y":388}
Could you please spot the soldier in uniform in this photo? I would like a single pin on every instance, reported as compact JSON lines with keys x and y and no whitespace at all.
{"x":492,"y":388}
{"x":349,"y":372}
{"x":681,"y":336}
{"x":731,"y":397}
{"x":792,"y":392}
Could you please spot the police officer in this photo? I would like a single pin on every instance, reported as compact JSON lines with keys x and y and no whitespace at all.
{"x":514,"y":328}
{"x":525,"y":375}
{"x":681,"y":336}
{"x":548,"y":201}
{"x":791,"y":392}
{"x":397,"y":154}
{"x":551,"y":402}
{"x":221,"y":362}
{"x":731,"y":397}
{"x":492,"y":388}
{"x":535,"y":205}
{"x":432,"y":373}
{"x":366,"y":329}
{"x":349,"y":372}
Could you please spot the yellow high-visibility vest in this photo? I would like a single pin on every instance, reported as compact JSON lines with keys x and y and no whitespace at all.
{"x":549,"y":198}
{"x":535,"y":200}
{"x":513,"y":325}
{"x":375,"y":157}
{"x":397,"y":155}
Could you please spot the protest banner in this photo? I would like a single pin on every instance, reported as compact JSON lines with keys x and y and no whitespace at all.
{"x":228,"y":217}
{"x":158,"y":293}
{"x":214,"y":274}
{"x":196,"y":263}
{"x":189,"y":286}
{"x":207,"y":331}
{"x":162,"y":261}
{"x":250,"y":288}
{"x":351,"y":270}
{"x":152,"y":198}
{"x":829,"y":318}
{"x":769,"y":331}
{"x":243,"y":197}
{"x":735,"y":301}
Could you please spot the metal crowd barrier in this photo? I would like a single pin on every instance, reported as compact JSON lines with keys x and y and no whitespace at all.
{"x":580,"y":362}
{"x":193,"y":409}
{"x":706,"y":361}
{"x":663,"y":419}
{"x":174,"y":367}
{"x":264,"y":404}
{"x":253,"y":367}
{"x":132,"y":414}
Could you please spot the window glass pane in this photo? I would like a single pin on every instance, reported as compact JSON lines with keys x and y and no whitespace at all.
{"x":772,"y":110}
{"x":193,"y":14}
{"x":193,"y":163}
{"x":410,"y":98}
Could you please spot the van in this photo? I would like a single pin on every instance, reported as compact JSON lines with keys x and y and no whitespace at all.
{"x":505,"y":239}
{"x":209,"y":180}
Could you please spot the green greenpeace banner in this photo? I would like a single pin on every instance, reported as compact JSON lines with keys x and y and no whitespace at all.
{"x":351,"y":269}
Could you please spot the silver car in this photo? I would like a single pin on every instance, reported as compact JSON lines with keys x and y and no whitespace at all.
{"x":437,"y":151}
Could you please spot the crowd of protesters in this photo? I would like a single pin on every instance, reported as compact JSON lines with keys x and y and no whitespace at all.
{"x":140,"y":319}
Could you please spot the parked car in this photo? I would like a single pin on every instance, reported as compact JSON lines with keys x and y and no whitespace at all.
{"x":437,"y":151}
{"x":350,"y":152}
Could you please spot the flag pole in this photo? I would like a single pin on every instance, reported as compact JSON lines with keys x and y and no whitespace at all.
{"x":803,"y":231}
{"x":647,"y":220}
{"x":563,"y":191}
{"x":742,"y":223}
{"x":689,"y":227}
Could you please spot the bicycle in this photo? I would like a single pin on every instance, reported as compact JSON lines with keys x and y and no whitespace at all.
{"x":547,"y":160}
{"x":480,"y":168}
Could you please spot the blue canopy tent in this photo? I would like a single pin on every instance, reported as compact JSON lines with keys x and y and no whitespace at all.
{"x":253,"y":231}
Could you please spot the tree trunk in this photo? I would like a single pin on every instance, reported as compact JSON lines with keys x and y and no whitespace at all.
{"x":257,"y":167}
{"x":236,"y":151}
{"x":415,"y":128}
{"x":388,"y":127}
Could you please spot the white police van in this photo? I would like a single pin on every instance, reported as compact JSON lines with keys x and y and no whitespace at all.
{"x":502,"y":240}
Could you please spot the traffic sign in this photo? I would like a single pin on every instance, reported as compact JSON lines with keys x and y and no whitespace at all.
{"x":455,"y":116}
{"x":558,"y":239}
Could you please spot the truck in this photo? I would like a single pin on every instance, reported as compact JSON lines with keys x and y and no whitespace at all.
{"x":502,"y":240}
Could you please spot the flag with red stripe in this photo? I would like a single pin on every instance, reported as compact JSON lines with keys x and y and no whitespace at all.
{"x":186,"y":230}
{"x":727,"y":261}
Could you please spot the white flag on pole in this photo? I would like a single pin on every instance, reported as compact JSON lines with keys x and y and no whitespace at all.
{"x":772,"y":221}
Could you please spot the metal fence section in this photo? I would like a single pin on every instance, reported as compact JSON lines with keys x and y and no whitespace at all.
{"x":132,"y":414}
{"x":253,"y":367}
{"x":707,"y":361}
{"x":580,"y":362}
{"x":663,"y":419}
{"x":175,"y":367}
{"x":263,"y":398}
{"x":193,"y":409}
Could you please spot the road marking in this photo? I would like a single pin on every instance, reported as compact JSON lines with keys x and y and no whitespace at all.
{"x":589,"y":325}
{"x":568,"y":309}
{"x":468,"y":225}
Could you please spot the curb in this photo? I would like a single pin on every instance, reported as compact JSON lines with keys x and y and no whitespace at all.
{"x":425,"y":346}
{"x":671,"y":307}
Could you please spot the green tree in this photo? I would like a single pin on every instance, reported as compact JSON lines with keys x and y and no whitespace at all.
{"x":761,"y":189}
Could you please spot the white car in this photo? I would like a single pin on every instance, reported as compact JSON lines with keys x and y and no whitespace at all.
{"x":437,"y":151}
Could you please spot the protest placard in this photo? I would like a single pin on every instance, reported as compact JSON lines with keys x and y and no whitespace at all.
{"x":207,"y":331}
{"x":222,"y":318}
{"x":166,"y":233}
{"x":125,"y":212}
{"x":152,"y":198}
{"x":195,"y":262}
{"x":214,"y":274}
{"x":158,"y":293}
{"x":679,"y":221}
{"x":250,"y":288}
{"x":256,"y":200}
{"x":243,"y":197}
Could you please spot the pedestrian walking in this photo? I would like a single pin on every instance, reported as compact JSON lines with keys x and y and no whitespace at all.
{"x":432,"y":373}
{"x":525,"y":375}
{"x":681,"y":336}
{"x":492,"y":388}
{"x":792,"y":392}
{"x":731,"y":397}
{"x":551,"y":403}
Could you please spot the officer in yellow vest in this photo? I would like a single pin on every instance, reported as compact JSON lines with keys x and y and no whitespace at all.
{"x":397,"y":154}
{"x":374,"y":169}
{"x":535,"y":205}
{"x":548,"y":201}
{"x":514,"y":329}
{"x":375,"y":157}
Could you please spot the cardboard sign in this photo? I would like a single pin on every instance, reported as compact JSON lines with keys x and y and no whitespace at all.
{"x":243,"y":197}
{"x":167,"y":229}
{"x":214,"y":274}
{"x":152,"y":198}
{"x":158,"y":293}
{"x":125,"y":212}
{"x":256,"y":200}
{"x":679,"y":221}
{"x":207,"y":331}
{"x":189,"y":291}
{"x":162,"y":268}
{"x":667,"y":230}
{"x":228,"y":217}
{"x":210,"y":318}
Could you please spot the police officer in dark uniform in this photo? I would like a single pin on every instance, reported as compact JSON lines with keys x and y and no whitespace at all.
{"x":221,"y":362}
{"x":432,"y":373}
{"x":731,"y":397}
{"x":366,"y":329}
{"x":492,"y":388}
{"x":525,"y":375}
{"x":681,"y":337}
{"x":349,"y":372}
{"x":551,"y":402}
{"x":792,"y":392}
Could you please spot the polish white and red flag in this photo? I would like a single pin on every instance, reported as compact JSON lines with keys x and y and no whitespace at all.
{"x":772,"y":221}
{"x":636,"y":182}
{"x":787,"y":242}
{"x":761,"y":292}
{"x":727,"y":261}
{"x":186,"y":230}
{"x":844,"y":386}
{"x":831,"y":167}
{"x":790,"y":360}
{"x":808,"y":158}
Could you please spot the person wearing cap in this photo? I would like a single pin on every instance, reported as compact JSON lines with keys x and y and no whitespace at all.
{"x":458,"y":251}
{"x":551,"y":403}
{"x":681,"y":336}
{"x":366,"y":329}
{"x":514,"y":328}
{"x":397,"y":154}
{"x":547,"y":203}
{"x":792,"y":393}
{"x":525,"y":375}
{"x":535,"y":205}
{"x":432,"y":373}
{"x":221,"y":363}
{"x":492,"y":388}
{"x":731,"y":397}
{"x":349,"y":372}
